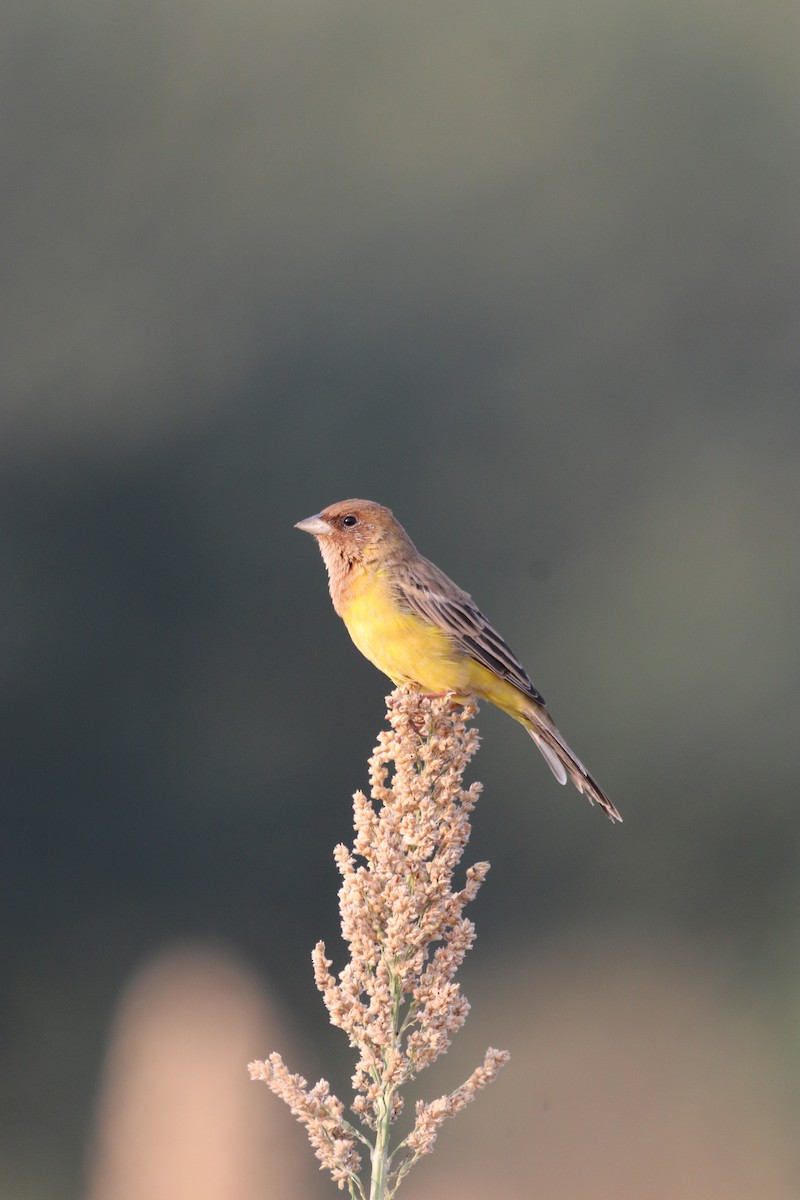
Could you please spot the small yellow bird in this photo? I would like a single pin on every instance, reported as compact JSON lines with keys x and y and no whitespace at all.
{"x":419,"y":628}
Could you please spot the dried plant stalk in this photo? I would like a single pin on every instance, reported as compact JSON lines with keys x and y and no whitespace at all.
{"x":397,"y":998}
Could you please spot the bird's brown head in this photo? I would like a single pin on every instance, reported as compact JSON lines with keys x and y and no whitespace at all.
{"x":353,"y":532}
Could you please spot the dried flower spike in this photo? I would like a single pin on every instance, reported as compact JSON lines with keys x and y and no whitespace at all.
{"x":397,"y":998}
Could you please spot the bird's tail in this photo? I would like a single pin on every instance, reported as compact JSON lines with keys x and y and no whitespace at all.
{"x":563,"y":763}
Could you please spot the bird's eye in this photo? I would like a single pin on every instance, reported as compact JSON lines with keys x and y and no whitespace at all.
{"x":349,"y":520}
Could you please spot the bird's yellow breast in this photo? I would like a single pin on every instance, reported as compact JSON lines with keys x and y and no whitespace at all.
{"x":405,"y":647}
{"x":411,"y":650}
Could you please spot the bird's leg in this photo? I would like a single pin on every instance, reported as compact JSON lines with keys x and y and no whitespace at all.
{"x":456,"y":701}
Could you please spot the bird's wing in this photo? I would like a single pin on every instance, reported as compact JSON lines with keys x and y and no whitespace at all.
{"x":429,"y":594}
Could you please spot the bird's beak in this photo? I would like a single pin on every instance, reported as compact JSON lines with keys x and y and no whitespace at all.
{"x":315,"y":525}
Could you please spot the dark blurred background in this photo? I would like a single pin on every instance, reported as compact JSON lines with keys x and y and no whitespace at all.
{"x":530,"y":275}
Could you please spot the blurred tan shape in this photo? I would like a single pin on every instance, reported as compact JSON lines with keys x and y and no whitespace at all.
{"x":178,"y":1116}
{"x":634,"y":1075}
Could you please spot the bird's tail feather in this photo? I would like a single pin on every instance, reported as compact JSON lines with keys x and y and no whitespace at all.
{"x":564,"y":764}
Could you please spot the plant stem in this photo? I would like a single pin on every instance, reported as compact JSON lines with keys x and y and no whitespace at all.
{"x":380,"y":1151}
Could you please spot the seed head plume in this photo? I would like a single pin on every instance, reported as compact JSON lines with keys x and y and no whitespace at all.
{"x":403,"y":920}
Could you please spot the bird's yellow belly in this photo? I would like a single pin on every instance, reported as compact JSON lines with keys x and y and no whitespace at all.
{"x":406,"y":648}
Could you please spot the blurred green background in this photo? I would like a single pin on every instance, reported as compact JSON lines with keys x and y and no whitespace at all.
{"x":530,"y":275}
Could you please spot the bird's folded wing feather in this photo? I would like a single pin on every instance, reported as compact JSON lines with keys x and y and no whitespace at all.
{"x":431,"y":595}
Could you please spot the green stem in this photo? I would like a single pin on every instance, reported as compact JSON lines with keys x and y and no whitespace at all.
{"x":380,"y":1151}
{"x":379,"y":1185}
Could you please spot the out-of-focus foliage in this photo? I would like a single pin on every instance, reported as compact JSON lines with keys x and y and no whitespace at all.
{"x":530,"y":276}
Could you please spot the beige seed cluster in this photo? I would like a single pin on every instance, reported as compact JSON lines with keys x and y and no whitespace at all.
{"x":320,"y":1112}
{"x":397,"y":998}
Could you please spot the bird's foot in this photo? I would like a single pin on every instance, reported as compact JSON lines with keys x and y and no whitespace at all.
{"x":456,"y":701}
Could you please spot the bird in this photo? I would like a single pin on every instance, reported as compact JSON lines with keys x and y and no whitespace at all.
{"x":423,"y":631}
